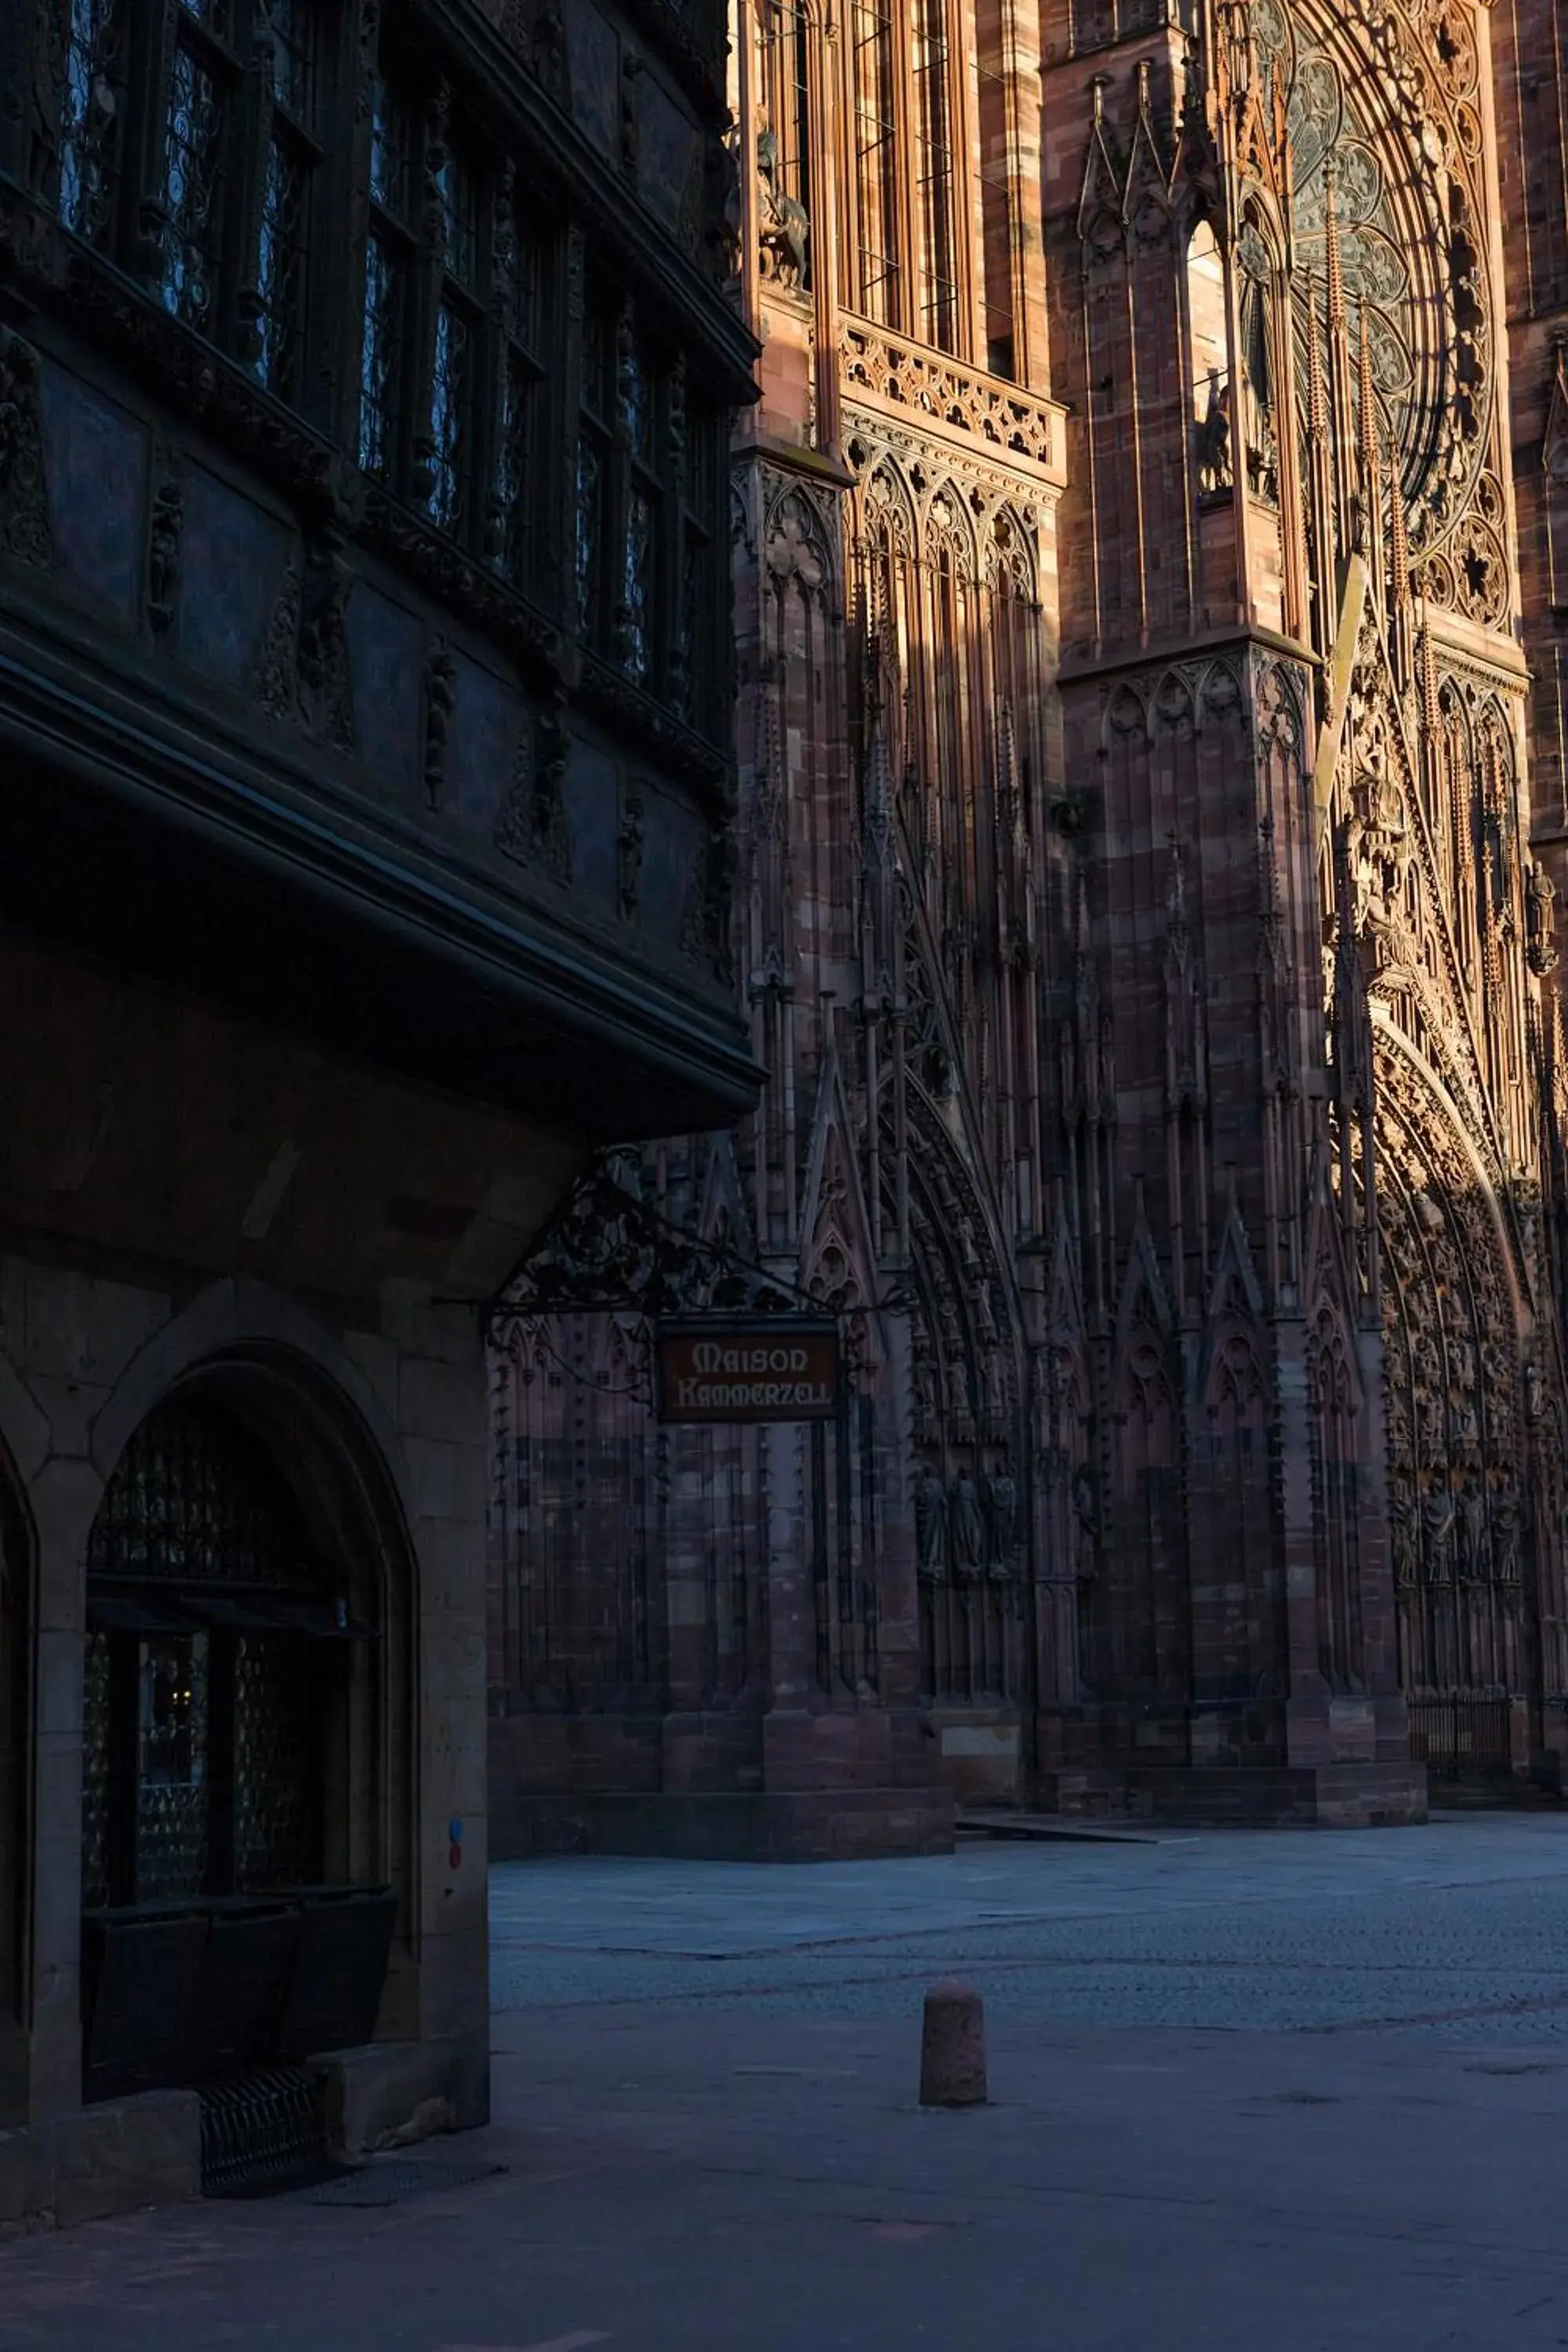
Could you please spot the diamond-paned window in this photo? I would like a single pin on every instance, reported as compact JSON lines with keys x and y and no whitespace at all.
{"x":588,"y":549}
{"x":90,"y":113}
{"x":641,"y":421}
{"x":292,"y":154}
{"x":195,"y":133}
{"x":595,"y":474}
{"x":623,"y":459}
{"x":388,"y":269}
{"x":455,"y":362}
{"x":518,"y":275}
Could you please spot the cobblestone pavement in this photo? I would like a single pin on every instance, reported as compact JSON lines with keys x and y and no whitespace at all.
{"x":1458,"y":1930}
{"x":705,"y":2136}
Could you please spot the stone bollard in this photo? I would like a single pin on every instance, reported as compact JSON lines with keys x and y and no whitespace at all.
{"x":953,"y":2048}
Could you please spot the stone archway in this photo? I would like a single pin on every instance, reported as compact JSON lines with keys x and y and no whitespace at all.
{"x":1459,"y":1502}
{"x":970,"y":1487}
{"x":247,"y":1832}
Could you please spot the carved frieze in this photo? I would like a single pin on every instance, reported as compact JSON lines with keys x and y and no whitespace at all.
{"x":25,"y":529}
{"x":532,"y":830}
{"x":440,"y":701}
{"x":166,"y":532}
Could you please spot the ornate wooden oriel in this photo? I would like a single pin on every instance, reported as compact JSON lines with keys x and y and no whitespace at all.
{"x":364,"y":390}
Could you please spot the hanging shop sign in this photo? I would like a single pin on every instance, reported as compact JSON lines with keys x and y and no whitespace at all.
{"x":757,"y":1368}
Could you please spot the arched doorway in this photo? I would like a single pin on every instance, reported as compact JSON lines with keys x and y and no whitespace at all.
{"x":235,"y":1916}
{"x":1459,"y":1474}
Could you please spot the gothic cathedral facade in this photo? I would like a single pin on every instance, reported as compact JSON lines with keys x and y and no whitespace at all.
{"x":1149,"y":847}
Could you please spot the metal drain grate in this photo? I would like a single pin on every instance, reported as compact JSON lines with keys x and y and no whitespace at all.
{"x":393,"y":2179}
{"x":261,"y":2131}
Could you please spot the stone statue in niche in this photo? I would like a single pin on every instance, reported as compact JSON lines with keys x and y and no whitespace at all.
{"x":1255,"y":421}
{"x":1505,"y":1530}
{"x":165,"y":533}
{"x":1472,"y":1529}
{"x":1534,"y":1385}
{"x":1214,"y":439}
{"x":931,"y":1524}
{"x":1404,"y":1522}
{"x":966,"y":1527}
{"x":1438,"y":1514}
{"x":1541,"y":921}
{"x":1001,"y":1514}
{"x":784,"y":231}
{"x":1377,"y":849}
{"x":926,"y":1407}
{"x":1087,"y":1518}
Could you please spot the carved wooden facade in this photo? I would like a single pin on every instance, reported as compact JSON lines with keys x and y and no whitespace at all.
{"x":366,"y":377}
{"x":1138,"y":910}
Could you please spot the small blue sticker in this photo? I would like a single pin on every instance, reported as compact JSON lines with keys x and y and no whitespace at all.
{"x":455,"y":1830}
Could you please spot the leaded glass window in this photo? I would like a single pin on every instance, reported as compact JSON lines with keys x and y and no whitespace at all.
{"x":173,"y":1696}
{"x":622,"y":455}
{"x":90,"y":119}
{"x":637,"y":590}
{"x":202,"y":1771}
{"x":291,"y":155}
{"x":388,"y":264}
{"x":592,"y":473}
{"x":518,"y":268}
{"x":453,"y":366}
{"x":635,"y":398}
{"x":691,"y":681}
{"x":196,"y":131}
{"x":589,"y":531}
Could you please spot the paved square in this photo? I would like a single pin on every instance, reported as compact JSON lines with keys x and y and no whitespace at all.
{"x":1303,"y":2092}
